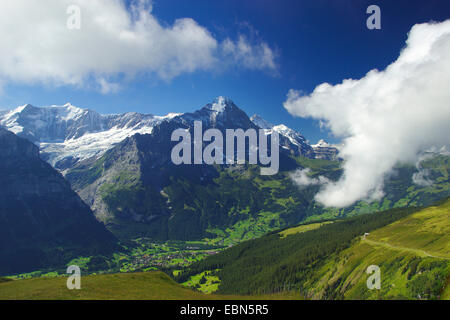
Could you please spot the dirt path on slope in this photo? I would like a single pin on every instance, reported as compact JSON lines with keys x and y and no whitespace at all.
{"x":415,"y":251}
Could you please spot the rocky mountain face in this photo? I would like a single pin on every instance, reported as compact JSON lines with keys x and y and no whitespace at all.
{"x":134,"y":164}
{"x":42,"y":220}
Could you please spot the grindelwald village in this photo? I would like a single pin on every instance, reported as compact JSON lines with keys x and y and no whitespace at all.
{"x":225,"y":158}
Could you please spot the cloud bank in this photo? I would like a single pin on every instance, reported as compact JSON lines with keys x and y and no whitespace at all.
{"x":114,"y":41}
{"x":387,"y":116}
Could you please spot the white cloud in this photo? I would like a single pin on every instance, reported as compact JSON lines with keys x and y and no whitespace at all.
{"x":108,"y":87}
{"x":302,"y":178}
{"x":421,"y":178}
{"x":256,"y":57}
{"x":387,"y":116}
{"x":37,"y":47}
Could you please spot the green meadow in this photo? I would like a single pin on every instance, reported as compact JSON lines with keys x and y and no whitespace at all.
{"x":120,"y":286}
{"x":413,"y":254}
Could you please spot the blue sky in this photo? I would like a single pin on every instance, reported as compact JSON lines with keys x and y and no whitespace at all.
{"x":315,"y":41}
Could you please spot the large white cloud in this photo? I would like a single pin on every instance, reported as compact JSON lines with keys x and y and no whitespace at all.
{"x":114,"y":42}
{"x":386,"y":117}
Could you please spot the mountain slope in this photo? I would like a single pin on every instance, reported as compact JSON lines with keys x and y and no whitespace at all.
{"x":42,"y":221}
{"x":129,"y":286}
{"x":413,"y":255}
{"x":411,"y":248}
{"x":125,"y":186}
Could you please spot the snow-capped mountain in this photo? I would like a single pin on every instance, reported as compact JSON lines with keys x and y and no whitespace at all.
{"x":325,"y":150}
{"x":67,"y":134}
{"x":322,"y":144}
{"x":223,"y":113}
{"x":321,"y":150}
{"x":290,"y":139}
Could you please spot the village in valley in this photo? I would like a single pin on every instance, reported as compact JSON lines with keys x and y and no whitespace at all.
{"x":146,"y":255}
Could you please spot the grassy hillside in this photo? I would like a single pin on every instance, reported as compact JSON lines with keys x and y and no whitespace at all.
{"x":130,"y":286}
{"x":413,"y":255}
{"x":329,"y":261}
{"x":302,"y":228}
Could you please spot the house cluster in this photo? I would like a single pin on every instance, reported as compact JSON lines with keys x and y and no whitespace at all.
{"x":178,"y":258}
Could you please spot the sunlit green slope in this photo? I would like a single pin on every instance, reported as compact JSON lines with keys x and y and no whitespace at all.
{"x":129,"y":286}
{"x":413,"y":255}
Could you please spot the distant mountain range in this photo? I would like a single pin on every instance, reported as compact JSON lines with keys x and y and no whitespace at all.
{"x":68,"y":134}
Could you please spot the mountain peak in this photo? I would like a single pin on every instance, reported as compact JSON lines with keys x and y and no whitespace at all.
{"x":322,"y":143}
{"x":282,"y":127}
{"x":220,"y":104}
{"x":23,"y":108}
{"x":223,"y":100}
{"x":68,"y":105}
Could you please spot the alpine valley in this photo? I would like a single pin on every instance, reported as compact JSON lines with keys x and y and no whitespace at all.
{"x":101,"y":191}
